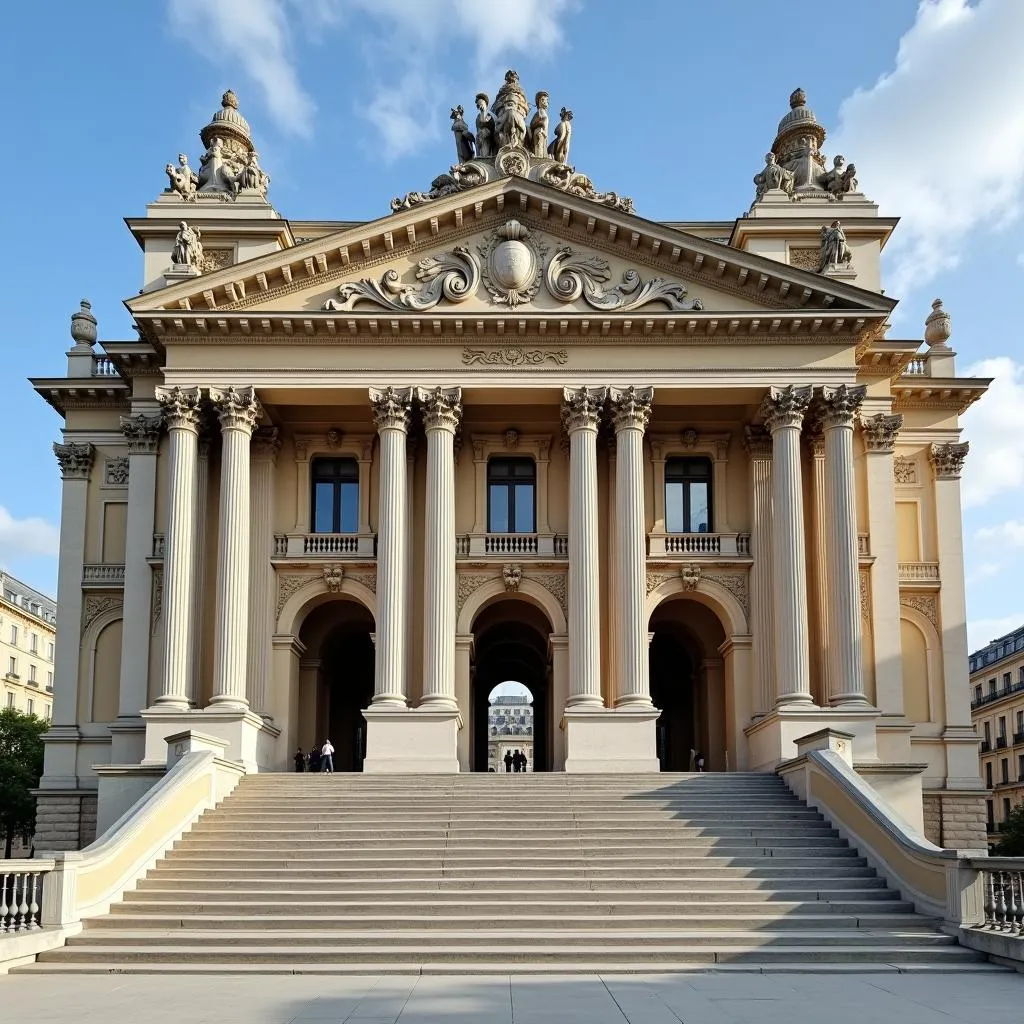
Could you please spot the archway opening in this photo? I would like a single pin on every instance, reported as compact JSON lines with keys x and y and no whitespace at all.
{"x":511,"y":645}
{"x":688,"y":686}
{"x":336,"y":680}
{"x":510,"y":728}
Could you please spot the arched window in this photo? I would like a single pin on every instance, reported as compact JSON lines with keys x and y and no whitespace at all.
{"x":335,"y":496}
{"x":688,"y":496}
{"x":511,"y":490}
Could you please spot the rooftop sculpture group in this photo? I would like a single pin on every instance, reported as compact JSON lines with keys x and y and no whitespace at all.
{"x":229,"y":167}
{"x":504,"y":143}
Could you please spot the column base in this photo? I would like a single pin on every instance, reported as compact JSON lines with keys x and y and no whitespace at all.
{"x":772,"y":739}
{"x":248,"y":739}
{"x":606,"y":740}
{"x":417,"y":741}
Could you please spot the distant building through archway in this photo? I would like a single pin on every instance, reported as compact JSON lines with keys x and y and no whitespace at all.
{"x":509,"y":725}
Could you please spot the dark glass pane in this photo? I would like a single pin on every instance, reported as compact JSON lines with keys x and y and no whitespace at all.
{"x":323,"y":507}
{"x":674,"y":520}
{"x":524,"y":469}
{"x":699,"y":511}
{"x":499,"y":469}
{"x":498,"y":509}
{"x":349,"y":508}
{"x":524,"y":508}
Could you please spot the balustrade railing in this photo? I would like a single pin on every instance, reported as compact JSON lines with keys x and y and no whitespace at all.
{"x":693,"y":544}
{"x":561,"y":546}
{"x":103,"y":366}
{"x":159,"y":544}
{"x":919,"y":572}
{"x":917,"y":367}
{"x":510,"y":544}
{"x":21,"y":894}
{"x":280,"y":545}
{"x":698,"y":545}
{"x":1004,"y":898}
{"x":863,"y":545}
{"x":102,"y":575}
{"x":330,"y":544}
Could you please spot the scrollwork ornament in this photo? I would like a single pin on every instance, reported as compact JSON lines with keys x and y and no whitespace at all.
{"x":237,"y":408}
{"x":948,"y":459}
{"x":75,"y":459}
{"x":570,"y":276}
{"x":116,"y":471}
{"x":142,"y":432}
{"x":514,"y":355}
{"x":442,"y":407}
{"x":630,"y":407}
{"x":566,"y":179}
{"x":904,"y":470}
{"x":785,"y":407}
{"x":391,"y":407}
{"x":581,"y":407}
{"x":881,"y":431}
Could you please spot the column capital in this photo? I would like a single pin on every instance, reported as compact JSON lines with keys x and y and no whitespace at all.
{"x":785,"y":407}
{"x":75,"y":459}
{"x":815,"y":434}
{"x":237,"y":408}
{"x":180,"y":407}
{"x":630,"y":407}
{"x":142,"y":433}
{"x":837,"y":406}
{"x":442,"y":408}
{"x":880,"y":432}
{"x":581,"y":407}
{"x":391,"y":407}
{"x":948,"y":459}
{"x":757,"y":441}
{"x":266,"y":443}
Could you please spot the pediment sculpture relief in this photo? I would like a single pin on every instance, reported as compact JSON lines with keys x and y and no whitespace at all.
{"x":509,"y":264}
{"x":504,"y":144}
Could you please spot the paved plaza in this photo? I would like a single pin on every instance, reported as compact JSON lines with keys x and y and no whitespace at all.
{"x":726,"y":998}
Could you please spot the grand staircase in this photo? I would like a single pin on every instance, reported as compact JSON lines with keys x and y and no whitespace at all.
{"x":509,"y":873}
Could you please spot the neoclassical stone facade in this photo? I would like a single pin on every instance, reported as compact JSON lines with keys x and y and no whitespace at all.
{"x":675,"y":478}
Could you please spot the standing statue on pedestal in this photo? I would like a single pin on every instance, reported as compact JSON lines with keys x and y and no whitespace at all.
{"x":510,"y":110}
{"x":774,"y":175}
{"x":537,"y":140}
{"x":183,"y":179}
{"x":464,"y":141}
{"x":834,"y":253}
{"x":214,"y":172}
{"x":486,"y":146}
{"x":839,"y":181}
{"x":559,"y":148}
{"x":188,"y":247}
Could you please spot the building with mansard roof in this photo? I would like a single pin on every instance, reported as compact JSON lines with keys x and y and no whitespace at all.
{"x":27,"y":624}
{"x":680,"y":475}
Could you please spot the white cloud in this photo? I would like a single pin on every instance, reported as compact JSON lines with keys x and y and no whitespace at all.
{"x":995,"y":428}
{"x":21,"y":537}
{"x":939,"y":140}
{"x":984,"y":631}
{"x":1011,"y":532}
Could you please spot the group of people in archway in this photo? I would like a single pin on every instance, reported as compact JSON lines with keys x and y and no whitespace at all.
{"x":514,"y":761}
{"x":319,"y":759}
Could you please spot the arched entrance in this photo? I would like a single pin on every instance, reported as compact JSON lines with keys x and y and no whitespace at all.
{"x":511,"y":643}
{"x":336,"y":680}
{"x":688,"y":685}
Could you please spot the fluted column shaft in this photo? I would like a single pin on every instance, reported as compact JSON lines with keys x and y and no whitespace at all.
{"x":182,"y":416}
{"x":837,"y":408}
{"x":199,"y":562}
{"x":821,"y":571}
{"x":391,"y":408}
{"x":631,"y":411}
{"x":442,"y":411}
{"x":238,"y":410}
{"x":263,"y":456}
{"x":783,"y":411}
{"x":758,"y":443}
{"x":581,"y":409}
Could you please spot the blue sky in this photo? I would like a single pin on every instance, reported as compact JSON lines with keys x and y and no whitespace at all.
{"x":675,"y":103}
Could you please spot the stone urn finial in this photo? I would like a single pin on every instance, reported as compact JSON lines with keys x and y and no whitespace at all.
{"x":938,"y":326}
{"x":83,"y":326}
{"x":797,"y":98}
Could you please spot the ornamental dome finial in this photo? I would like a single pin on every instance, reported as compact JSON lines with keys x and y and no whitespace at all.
{"x":83,"y":326}
{"x":797,"y":98}
{"x":938,"y":325}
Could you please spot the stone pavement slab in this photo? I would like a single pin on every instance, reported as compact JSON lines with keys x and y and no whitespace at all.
{"x":847,"y":997}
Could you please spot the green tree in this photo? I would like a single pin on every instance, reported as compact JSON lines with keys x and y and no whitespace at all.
{"x":21,"y":765}
{"x":1011,"y":836}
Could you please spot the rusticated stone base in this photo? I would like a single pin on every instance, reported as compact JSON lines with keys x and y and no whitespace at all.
{"x":933,"y":818}
{"x":65,"y":819}
{"x":955,"y":821}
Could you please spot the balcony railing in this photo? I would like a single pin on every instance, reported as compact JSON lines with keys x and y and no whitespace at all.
{"x":512,"y":545}
{"x":103,"y":366}
{"x":1018,"y":737}
{"x":919,"y":572}
{"x":917,"y":367}
{"x":995,"y":695}
{"x":698,"y":545}
{"x":986,"y":746}
{"x":102,"y":575}
{"x":325,"y":545}
{"x":1000,"y":742}
{"x":12,"y":676}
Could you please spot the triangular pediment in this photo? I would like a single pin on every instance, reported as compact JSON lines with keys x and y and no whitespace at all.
{"x":512,"y":247}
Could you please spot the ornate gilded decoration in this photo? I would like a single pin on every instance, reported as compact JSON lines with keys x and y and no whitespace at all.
{"x":142,"y":432}
{"x":115,"y":471}
{"x":581,"y":407}
{"x":75,"y":459}
{"x":454,"y":276}
{"x":785,"y":407}
{"x":512,"y":258}
{"x":511,"y":576}
{"x":391,"y":407}
{"x":904,"y":470}
{"x":881,"y":431}
{"x":570,"y":276}
{"x":948,"y":459}
{"x":514,"y":355}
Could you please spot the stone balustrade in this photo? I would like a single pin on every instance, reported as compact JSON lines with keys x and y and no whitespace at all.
{"x":159,"y":545}
{"x":698,"y":545}
{"x":919,"y":573}
{"x":325,"y":545}
{"x":21,"y":894}
{"x":917,"y":367}
{"x":102,"y":575}
{"x":1004,"y":895}
{"x":103,"y":366}
{"x":506,"y":545}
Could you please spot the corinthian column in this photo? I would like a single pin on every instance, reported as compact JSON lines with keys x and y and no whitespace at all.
{"x":263,"y":457}
{"x":182,"y":415}
{"x":758,"y":443}
{"x":143,"y":435}
{"x":442,"y":410}
{"x":821,"y":572}
{"x":391,"y":407}
{"x":837,"y":408}
{"x":783,"y":412}
{"x":237,"y":409}
{"x":581,"y":408}
{"x":631,"y":411}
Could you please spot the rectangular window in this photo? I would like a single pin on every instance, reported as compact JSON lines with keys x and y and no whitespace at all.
{"x":988,"y":774}
{"x":1004,"y":770}
{"x":49,"y":711}
{"x":511,"y":496}
{"x":1020,"y":721}
{"x":31,"y":673}
{"x":990,"y":813}
{"x":49,"y":679}
{"x":49,"y":652}
{"x":14,"y":636}
{"x":335,"y":496}
{"x":988,"y":732}
{"x":1006,"y":807}
{"x":991,"y":686}
{"x":10,"y":699}
{"x":688,"y":496}
{"x":1002,"y":727}
{"x":31,"y":706}
{"x":12,"y":666}
{"x":33,"y":643}
{"x":977,"y":694}
{"x":1020,"y":767}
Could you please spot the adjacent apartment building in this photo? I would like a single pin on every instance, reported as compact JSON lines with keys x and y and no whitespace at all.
{"x":997,"y":707}
{"x":27,"y":636}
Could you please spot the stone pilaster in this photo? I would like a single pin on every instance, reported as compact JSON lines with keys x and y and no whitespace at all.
{"x":758,"y":444}
{"x":880,"y":434}
{"x":631,"y":412}
{"x":391,"y":409}
{"x":237,"y":409}
{"x":181,"y":412}
{"x":581,"y":410}
{"x":783,"y":411}
{"x":263,"y":458}
{"x":442,"y":411}
{"x":837,"y":407}
{"x":142,"y":432}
